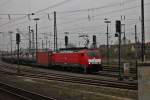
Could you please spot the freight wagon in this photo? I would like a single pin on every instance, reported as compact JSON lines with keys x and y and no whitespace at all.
{"x":88,"y":60}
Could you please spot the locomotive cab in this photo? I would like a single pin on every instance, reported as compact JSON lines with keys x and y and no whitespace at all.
{"x":94,"y":61}
{"x":91,"y":60}
{"x":94,"y":57}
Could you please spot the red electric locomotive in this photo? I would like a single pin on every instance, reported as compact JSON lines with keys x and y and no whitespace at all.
{"x":89,"y":60}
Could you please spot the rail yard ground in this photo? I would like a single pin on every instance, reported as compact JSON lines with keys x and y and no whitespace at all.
{"x":6,"y":96}
{"x":68,"y":91}
{"x":144,"y":82}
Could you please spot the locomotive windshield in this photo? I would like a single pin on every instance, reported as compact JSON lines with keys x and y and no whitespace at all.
{"x":93,"y":54}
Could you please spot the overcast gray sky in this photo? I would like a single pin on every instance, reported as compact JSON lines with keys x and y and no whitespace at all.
{"x":73,"y":16}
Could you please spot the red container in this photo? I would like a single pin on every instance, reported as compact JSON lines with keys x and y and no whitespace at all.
{"x":66,"y":58}
{"x":42,"y":58}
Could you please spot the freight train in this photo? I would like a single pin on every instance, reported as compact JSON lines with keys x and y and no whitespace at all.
{"x":88,"y":60}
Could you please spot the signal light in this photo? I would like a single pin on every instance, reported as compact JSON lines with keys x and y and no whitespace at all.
{"x":94,"y":39}
{"x":66,"y":41}
{"x":17,"y":38}
{"x":116,"y":35}
{"x":118,"y":26}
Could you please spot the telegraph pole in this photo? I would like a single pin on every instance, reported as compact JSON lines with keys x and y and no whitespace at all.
{"x":46,"y":44}
{"x":3,"y":44}
{"x":32,"y":31}
{"x":36,"y":19}
{"x":118,"y":31}
{"x":136,"y":49}
{"x":135,"y":27}
{"x":107,"y":46}
{"x":124,"y":34}
{"x":11,"y":41}
{"x":29,"y":39}
{"x":1,"y":47}
{"x":124,"y":28}
{"x":18,"y":42}
{"x":119,"y":54}
{"x":142,"y":30}
{"x":33,"y":46}
{"x":49,"y":42}
{"x":135,"y":34}
{"x":55,"y":32}
{"x":106,"y":21}
{"x":42,"y":45}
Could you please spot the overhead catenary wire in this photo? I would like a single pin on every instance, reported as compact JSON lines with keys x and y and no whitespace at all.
{"x":53,"y":6}
{"x":93,"y":16}
{"x":36,"y":12}
{"x":95,"y":8}
{"x":5,"y":23}
{"x":76,"y":20}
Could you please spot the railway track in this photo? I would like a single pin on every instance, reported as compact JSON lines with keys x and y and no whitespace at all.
{"x":114,"y":69}
{"x":108,"y":71}
{"x":77,"y":79}
{"x":22,"y":94}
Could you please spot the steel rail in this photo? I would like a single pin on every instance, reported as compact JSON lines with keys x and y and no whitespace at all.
{"x":78,"y":79}
{"x":23,"y":94}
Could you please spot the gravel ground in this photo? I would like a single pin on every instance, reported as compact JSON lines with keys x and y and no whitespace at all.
{"x":6,"y":96}
{"x":69,"y":91}
{"x":22,"y":67}
{"x":144,"y":83}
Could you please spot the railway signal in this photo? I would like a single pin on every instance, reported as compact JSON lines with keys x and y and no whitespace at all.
{"x":17,"y":38}
{"x":107,"y":21}
{"x":94,"y":41}
{"x":18,"y":42}
{"x":118,"y":26}
{"x":118,"y":31}
{"x":66,"y":41}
